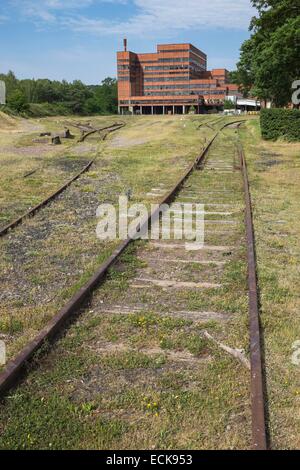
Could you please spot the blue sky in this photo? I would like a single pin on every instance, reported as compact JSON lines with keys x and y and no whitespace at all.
{"x":78,"y":39}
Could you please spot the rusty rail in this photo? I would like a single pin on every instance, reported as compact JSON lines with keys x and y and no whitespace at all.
{"x":259,"y":436}
{"x":12,"y":373}
{"x":54,"y":195}
{"x":15,"y":367}
{"x":116,"y":126}
{"x":39,"y":206}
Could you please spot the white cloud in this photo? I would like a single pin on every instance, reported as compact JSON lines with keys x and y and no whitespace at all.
{"x":169,"y":15}
{"x":152,"y":16}
{"x":50,"y":11}
{"x":193,"y":13}
{"x":3,"y":18}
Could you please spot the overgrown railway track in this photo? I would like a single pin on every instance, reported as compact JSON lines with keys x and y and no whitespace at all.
{"x":31,"y":212}
{"x":186,"y":189}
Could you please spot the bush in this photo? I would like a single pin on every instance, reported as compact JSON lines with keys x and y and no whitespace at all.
{"x":280,"y":123}
{"x":17,"y":101}
{"x":47,"y":109}
{"x":43,"y":97}
{"x":228,"y":104}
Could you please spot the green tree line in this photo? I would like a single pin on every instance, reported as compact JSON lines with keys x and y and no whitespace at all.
{"x":32,"y":96}
{"x":270,"y":59}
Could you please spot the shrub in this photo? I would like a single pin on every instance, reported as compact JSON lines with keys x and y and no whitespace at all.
{"x":18,"y":102}
{"x":280,"y":123}
{"x":228,"y":104}
{"x":48,"y":109}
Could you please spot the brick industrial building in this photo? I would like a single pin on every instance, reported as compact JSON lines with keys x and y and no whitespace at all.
{"x":172,"y":80}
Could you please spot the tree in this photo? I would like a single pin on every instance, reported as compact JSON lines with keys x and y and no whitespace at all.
{"x":29,"y":88}
{"x":17,"y":101}
{"x":11,"y":82}
{"x":63,"y":97}
{"x":269,"y":61}
{"x":241,"y":77}
{"x":107,"y":95}
{"x":228,"y":104}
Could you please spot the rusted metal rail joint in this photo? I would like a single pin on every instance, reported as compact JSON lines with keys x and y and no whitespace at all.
{"x":259,"y":436}
{"x":14,"y":369}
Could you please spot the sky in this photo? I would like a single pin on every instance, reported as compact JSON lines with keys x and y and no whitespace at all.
{"x":78,"y":39}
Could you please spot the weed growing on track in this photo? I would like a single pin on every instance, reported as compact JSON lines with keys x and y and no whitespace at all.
{"x":51,"y":255}
{"x":274,"y":170}
{"x":145,"y":378}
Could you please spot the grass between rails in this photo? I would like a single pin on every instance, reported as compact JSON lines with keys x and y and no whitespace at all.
{"x":147,"y":379}
{"x":52,"y":165}
{"x":46,"y":259}
{"x":146,"y":412}
{"x":274,"y":170}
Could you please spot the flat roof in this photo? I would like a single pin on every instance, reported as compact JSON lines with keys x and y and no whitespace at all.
{"x":186,"y":45}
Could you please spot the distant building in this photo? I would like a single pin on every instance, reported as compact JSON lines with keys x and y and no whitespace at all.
{"x":2,"y":92}
{"x":173,"y":80}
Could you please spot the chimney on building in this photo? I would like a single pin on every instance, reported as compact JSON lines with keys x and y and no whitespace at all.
{"x":125,"y":45}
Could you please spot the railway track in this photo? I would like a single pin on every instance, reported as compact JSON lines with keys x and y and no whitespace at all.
{"x":31,"y":212}
{"x":224,"y":189}
{"x":114,"y":126}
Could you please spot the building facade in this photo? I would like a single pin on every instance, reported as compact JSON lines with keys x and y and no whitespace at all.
{"x":173,"y":80}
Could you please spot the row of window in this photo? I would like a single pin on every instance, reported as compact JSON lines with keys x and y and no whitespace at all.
{"x":182,"y":59}
{"x":186,"y":89}
{"x":193,"y":67}
{"x":170,"y":51}
{"x":173,"y":59}
{"x":165,"y":67}
{"x":167,"y":93}
{"x":198,"y":64}
{"x":147,"y":69}
{"x":179,"y":93}
{"x":156,"y":74}
{"x":163,"y":51}
{"x":174,"y":71}
{"x":172,"y":87}
{"x":128,"y":65}
{"x":197,"y":68}
{"x":194,"y":101}
{"x":156,"y":102}
{"x":167,"y":74}
{"x":172,"y":67}
{"x":166,"y":79}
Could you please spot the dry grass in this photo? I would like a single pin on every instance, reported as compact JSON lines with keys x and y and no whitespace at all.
{"x":145,"y":378}
{"x":47,"y":258}
{"x":52,"y":165}
{"x":274,"y":178}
